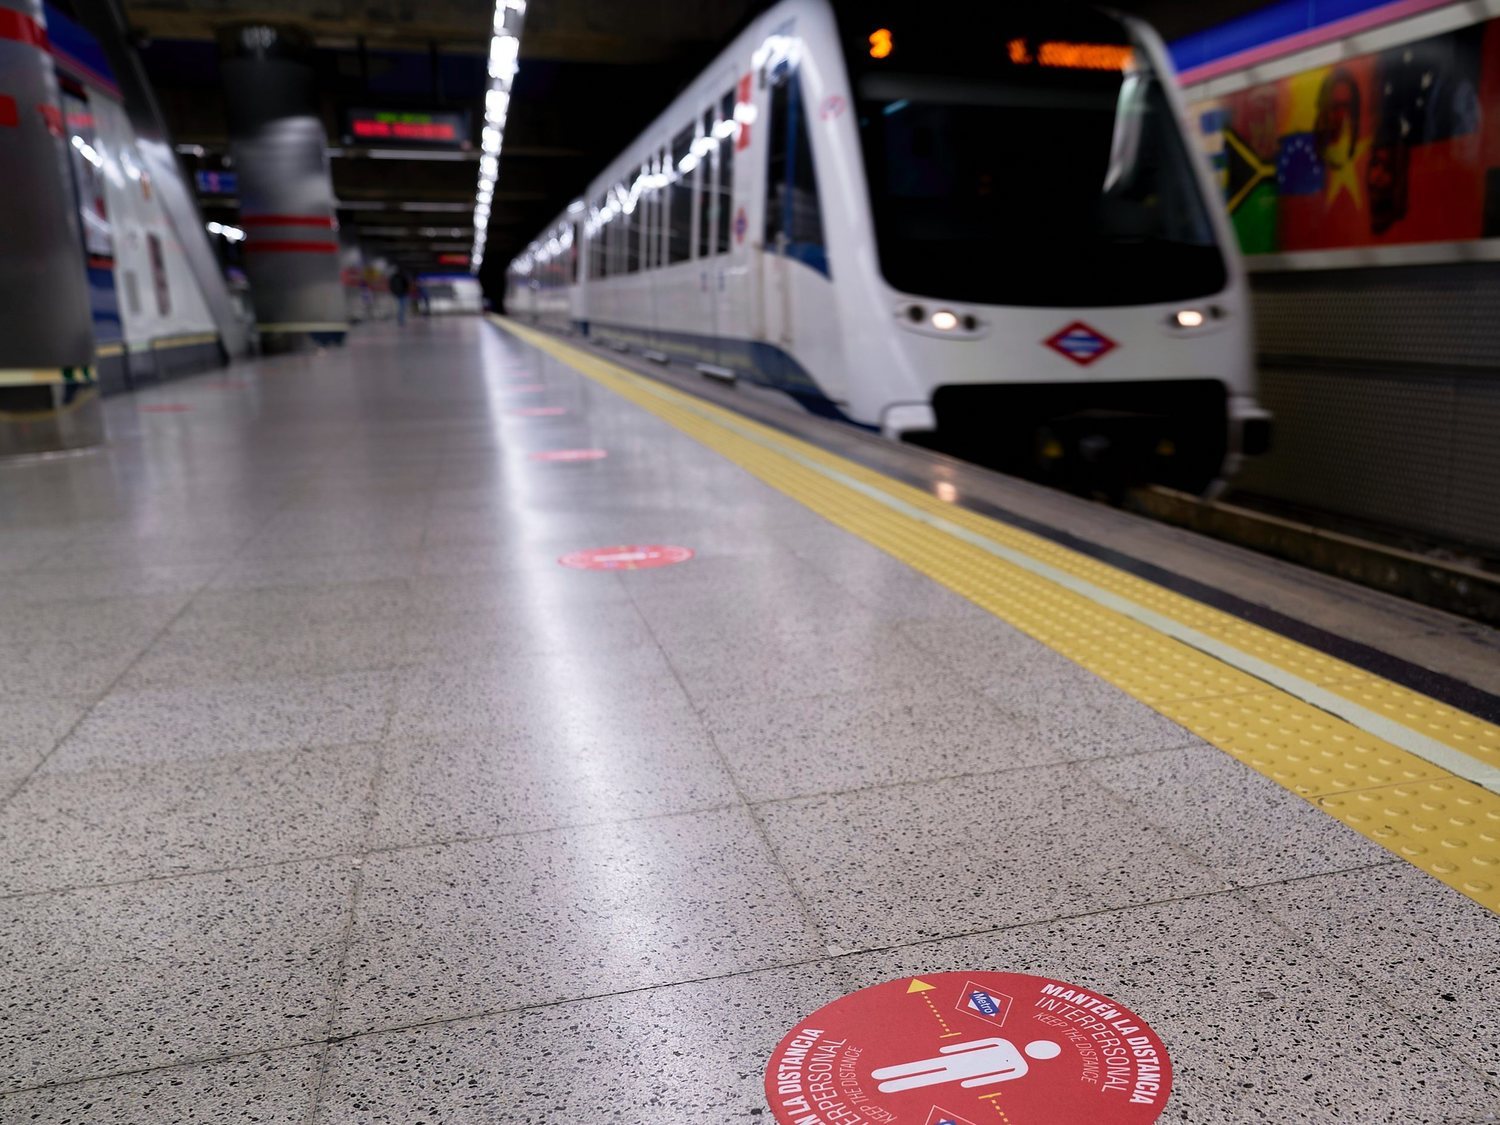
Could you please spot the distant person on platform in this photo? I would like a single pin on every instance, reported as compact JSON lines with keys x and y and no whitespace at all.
{"x":400,"y":289}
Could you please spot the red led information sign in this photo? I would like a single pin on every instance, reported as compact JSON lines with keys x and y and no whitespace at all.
{"x":977,"y":1048}
{"x":449,"y":129}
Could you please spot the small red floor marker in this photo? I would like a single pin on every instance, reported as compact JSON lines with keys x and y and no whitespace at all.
{"x":970,"y":1049}
{"x":626,"y":558}
{"x":570,"y":455}
{"x":164,"y":408}
{"x":525,"y":388}
{"x":539,"y":411}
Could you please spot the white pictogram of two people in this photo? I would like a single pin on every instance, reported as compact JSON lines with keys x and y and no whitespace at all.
{"x":979,"y":1062}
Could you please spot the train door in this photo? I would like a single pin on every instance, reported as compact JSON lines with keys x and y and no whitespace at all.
{"x":703,"y":216}
{"x":726,"y":301}
{"x":714,"y":149}
{"x":793,"y":220}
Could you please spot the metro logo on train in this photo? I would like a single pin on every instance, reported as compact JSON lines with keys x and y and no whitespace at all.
{"x":1081,"y":344}
{"x":1028,"y":171}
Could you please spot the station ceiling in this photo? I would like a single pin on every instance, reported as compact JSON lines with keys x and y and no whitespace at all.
{"x":593,"y":73}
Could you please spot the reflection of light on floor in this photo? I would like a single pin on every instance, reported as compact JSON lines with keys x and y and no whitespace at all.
{"x":946,"y":492}
{"x":571,"y":723}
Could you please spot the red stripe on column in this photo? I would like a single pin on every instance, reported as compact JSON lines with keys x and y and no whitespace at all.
{"x":320,"y":221}
{"x":9,"y":115}
{"x":290,"y":246}
{"x":21,"y":28}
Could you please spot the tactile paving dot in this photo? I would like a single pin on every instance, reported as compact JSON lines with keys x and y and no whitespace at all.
{"x":1458,"y":729}
{"x":1448,"y":827}
{"x":1298,"y":659}
{"x":1297,"y":745}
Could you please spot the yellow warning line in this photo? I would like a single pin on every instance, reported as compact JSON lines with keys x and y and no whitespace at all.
{"x":1339,"y":751}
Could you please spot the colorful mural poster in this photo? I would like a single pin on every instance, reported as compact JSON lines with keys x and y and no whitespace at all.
{"x":1397,"y":147}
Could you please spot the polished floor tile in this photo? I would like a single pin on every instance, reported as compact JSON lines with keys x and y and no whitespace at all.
{"x":1239,"y":823}
{"x":845,"y":655}
{"x":480,"y":783}
{"x":801,"y":746}
{"x":595,"y":692}
{"x":688,"y":1052}
{"x":1258,"y":1026}
{"x":33,"y":728}
{"x":57,"y":583}
{"x":106,"y":826}
{"x":219,"y":719}
{"x":464,"y":929}
{"x":116,"y":979}
{"x":1426,"y":951}
{"x":274,"y":1088}
{"x":912,"y":862}
{"x":196,"y":654}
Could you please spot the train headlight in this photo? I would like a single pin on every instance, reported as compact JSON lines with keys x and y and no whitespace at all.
{"x":944,"y":321}
{"x":1189,"y":318}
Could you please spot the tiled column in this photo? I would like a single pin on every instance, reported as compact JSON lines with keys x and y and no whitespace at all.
{"x":48,"y":400}
{"x":280,"y":151}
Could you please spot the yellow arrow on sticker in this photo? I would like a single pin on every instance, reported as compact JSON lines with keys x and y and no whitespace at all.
{"x":919,"y":986}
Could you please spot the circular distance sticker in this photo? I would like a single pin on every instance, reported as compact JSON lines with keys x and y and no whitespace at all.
{"x":975,"y":1048}
{"x":570,"y":455}
{"x":626,"y":558}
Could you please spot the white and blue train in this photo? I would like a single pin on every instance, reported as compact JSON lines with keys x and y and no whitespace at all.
{"x":952,"y":223}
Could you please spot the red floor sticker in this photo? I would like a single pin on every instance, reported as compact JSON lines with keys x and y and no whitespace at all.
{"x":570,"y":455}
{"x":970,"y":1049}
{"x":626,"y":558}
{"x":525,"y":388}
{"x":540,"y":411}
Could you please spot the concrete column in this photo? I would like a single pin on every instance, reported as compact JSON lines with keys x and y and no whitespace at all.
{"x":280,"y":151}
{"x":48,"y":399}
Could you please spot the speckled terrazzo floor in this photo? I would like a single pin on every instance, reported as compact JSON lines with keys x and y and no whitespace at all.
{"x":328,"y":797}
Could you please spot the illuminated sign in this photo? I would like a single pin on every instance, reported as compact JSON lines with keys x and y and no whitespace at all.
{"x":453,"y":259}
{"x":881,"y":43}
{"x":446,"y":128}
{"x":1072,"y":56}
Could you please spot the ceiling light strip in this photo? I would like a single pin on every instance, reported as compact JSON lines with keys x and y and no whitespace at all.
{"x":505,"y":50}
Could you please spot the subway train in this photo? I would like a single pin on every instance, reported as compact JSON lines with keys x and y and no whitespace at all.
{"x":971,"y":226}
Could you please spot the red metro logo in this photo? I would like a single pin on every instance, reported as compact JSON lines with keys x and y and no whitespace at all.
{"x":966,"y":1049}
{"x":1080,"y":343}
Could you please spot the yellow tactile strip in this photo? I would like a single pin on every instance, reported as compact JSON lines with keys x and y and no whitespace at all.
{"x":1443,"y":824}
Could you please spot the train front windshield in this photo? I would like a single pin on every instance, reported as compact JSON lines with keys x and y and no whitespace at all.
{"x":1028,"y":169}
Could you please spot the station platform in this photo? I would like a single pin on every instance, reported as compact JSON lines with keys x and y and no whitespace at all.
{"x":332,"y":796}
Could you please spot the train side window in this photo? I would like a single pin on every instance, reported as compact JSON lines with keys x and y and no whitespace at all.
{"x":794,"y":221}
{"x":726,"y":175}
{"x":597,"y":257}
{"x":617,"y":242}
{"x":631,"y":221}
{"x":680,"y":201}
{"x":706,"y":188}
{"x":648,"y":214}
{"x":660,"y":238}
{"x":574,"y":257}
{"x":645,"y":210}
